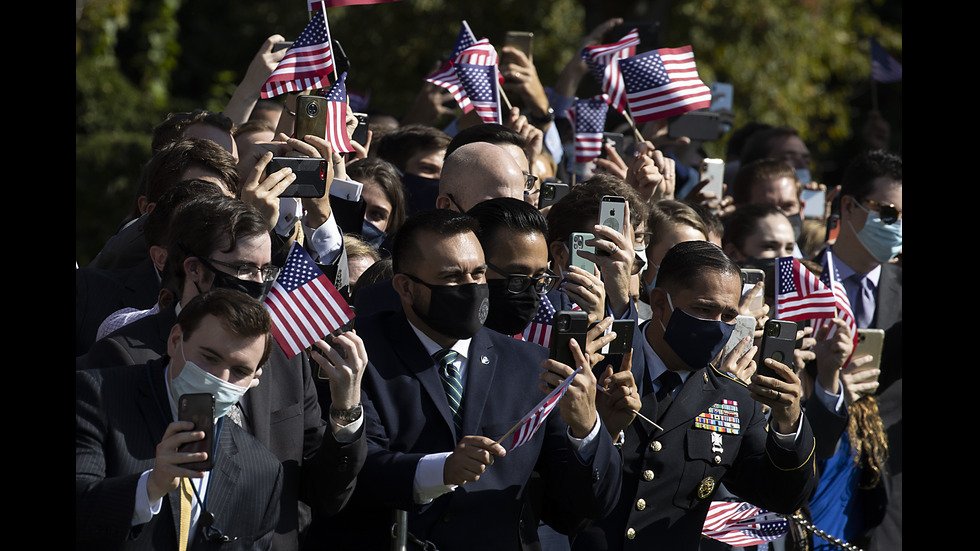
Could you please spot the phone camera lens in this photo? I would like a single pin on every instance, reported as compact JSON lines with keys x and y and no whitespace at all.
{"x":312,"y":109}
{"x":563,"y":323}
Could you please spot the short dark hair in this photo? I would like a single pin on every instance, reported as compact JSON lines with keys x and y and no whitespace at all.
{"x":667,"y":213}
{"x":492,"y":133}
{"x":168,"y":165}
{"x":384,"y":174}
{"x":240,"y":314}
{"x":203,"y":224}
{"x":579,"y":209}
{"x":172,"y":128}
{"x":506,"y":213}
{"x":858,"y":179}
{"x":744,"y":221}
{"x":158,"y":221}
{"x":401,"y":144}
{"x":761,"y":170}
{"x":254,"y":125}
{"x":689,"y":261}
{"x":407,"y":249}
{"x":760,"y":144}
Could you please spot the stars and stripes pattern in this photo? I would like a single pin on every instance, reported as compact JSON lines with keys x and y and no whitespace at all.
{"x":446,"y":77}
{"x":603,"y":62}
{"x":337,"y":116}
{"x":589,"y":119}
{"x":307,"y":63}
{"x":800,"y":295}
{"x":830,"y":277}
{"x":742,"y":524}
{"x":663,"y":83}
{"x":480,"y":83}
{"x":884,"y":67}
{"x":530,"y":423}
{"x":304,"y":304}
{"x":539,"y":330}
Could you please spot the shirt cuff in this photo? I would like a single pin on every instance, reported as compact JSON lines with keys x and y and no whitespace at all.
{"x":348,"y":433}
{"x":327,"y":240}
{"x":585,"y":447}
{"x":430,"y":478}
{"x":290,"y":210}
{"x":787,"y":441}
{"x":833,"y":402}
{"x":144,"y":510}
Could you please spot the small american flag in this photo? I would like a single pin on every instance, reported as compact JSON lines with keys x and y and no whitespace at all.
{"x":307,"y":63}
{"x":480,"y":83}
{"x":446,"y":77}
{"x":539,"y":330}
{"x":884,"y":67}
{"x":589,"y":117}
{"x":337,"y":116}
{"x":663,"y":83}
{"x":742,"y":524}
{"x":603,"y":62}
{"x":304,"y":304}
{"x":799,"y":294}
{"x":831,"y":278}
{"x":530,"y":423}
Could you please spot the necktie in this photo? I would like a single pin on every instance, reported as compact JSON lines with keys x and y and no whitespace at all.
{"x":668,"y":381}
{"x":186,"y":495}
{"x":452,"y":385}
{"x":864,"y":308}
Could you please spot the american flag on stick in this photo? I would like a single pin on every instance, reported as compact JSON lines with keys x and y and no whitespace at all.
{"x":830,"y":277}
{"x":589,"y":118}
{"x":530,"y":423}
{"x":480,"y":83}
{"x":800,"y":295}
{"x":304,"y":304}
{"x":742,"y":524}
{"x":446,"y":77}
{"x":337,"y":116}
{"x":602,"y":61}
{"x":884,"y":67}
{"x":663,"y":83}
{"x":308,"y":61}
{"x":539,"y":330}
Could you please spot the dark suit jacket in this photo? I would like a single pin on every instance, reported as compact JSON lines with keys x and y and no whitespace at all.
{"x":283,"y":413}
{"x":99,"y":293}
{"x":409,"y":417}
{"x":120,"y":417}
{"x":659,"y":505}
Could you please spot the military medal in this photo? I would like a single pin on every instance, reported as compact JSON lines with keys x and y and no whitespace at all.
{"x":721,"y":418}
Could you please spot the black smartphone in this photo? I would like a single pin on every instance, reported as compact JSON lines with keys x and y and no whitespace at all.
{"x":198,"y":409}
{"x":311,"y":117}
{"x":341,"y":61}
{"x":700,"y":126}
{"x":360,"y":133}
{"x":833,"y":222}
{"x":615,"y":139}
{"x":568,"y":325}
{"x":551,"y":191}
{"x":311,"y":175}
{"x":284,"y":45}
{"x":623,"y":342}
{"x":778,"y":342}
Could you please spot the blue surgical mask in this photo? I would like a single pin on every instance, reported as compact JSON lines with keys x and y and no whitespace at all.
{"x":371,"y":234}
{"x":696,"y":341}
{"x":882,"y":241}
{"x":194,"y":380}
{"x":654,"y":282}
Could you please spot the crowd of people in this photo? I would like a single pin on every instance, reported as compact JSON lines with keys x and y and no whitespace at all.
{"x":394,"y":432}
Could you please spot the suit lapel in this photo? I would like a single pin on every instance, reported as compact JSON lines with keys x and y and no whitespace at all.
{"x":479,"y":379}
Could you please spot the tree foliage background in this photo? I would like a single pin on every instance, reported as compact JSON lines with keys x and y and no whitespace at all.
{"x":804,"y":63}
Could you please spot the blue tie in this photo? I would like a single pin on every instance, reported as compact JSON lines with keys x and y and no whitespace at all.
{"x":864,"y":308}
{"x":451,"y":383}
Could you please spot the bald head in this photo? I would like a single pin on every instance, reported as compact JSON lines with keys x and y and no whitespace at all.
{"x":476,"y":172}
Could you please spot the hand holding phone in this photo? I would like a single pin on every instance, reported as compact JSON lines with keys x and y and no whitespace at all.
{"x":778,"y":342}
{"x":199,"y":410}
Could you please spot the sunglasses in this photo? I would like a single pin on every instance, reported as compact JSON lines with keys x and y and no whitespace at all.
{"x":518,"y":283}
{"x":889,"y":213}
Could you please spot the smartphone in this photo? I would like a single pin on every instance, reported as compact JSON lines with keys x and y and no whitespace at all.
{"x":778,"y":342}
{"x":198,"y":409}
{"x":284,"y":45}
{"x":311,"y":175}
{"x":617,"y":141}
{"x":576,"y":243}
{"x":833,"y":222}
{"x":700,"y":126}
{"x":612,"y":212}
{"x":814,"y":203}
{"x":870,"y":341}
{"x":744,"y":327}
{"x":623,"y":342}
{"x":715,"y":170}
{"x":751,"y":276}
{"x":311,"y":117}
{"x":520,"y":40}
{"x":360,"y":133}
{"x":568,"y":325}
{"x":551,"y":191}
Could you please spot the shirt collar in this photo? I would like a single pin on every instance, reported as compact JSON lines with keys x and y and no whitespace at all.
{"x":461,"y":346}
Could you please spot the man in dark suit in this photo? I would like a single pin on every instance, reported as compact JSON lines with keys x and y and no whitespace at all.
{"x":671,"y":472}
{"x":215,"y":242}
{"x":134,"y":488}
{"x":443,"y":389}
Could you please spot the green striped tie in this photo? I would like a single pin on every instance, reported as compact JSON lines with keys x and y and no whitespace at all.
{"x":454,"y":388}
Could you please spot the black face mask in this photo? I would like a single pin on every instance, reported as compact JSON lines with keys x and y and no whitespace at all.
{"x":456,"y":311}
{"x":510,"y":313}
{"x":222,"y":280}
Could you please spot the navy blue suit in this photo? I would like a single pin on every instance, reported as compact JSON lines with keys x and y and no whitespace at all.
{"x":408,"y":417}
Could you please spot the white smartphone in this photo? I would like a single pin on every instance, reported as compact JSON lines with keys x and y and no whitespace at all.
{"x":612,"y":212}
{"x":744,"y":327}
{"x":713,"y":169}
{"x":814,"y":203}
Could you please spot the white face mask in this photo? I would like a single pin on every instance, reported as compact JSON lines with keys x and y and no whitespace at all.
{"x":194,"y":380}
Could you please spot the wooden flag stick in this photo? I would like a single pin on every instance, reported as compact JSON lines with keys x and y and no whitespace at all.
{"x":511,"y":431}
{"x":638,"y":414}
{"x":636,"y":132}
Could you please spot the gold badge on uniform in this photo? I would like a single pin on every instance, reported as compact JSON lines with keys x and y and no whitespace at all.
{"x":706,"y":488}
{"x":721,"y":417}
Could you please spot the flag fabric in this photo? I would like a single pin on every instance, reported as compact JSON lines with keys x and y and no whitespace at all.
{"x":663,"y":83}
{"x":539,"y":330}
{"x":800,"y":295}
{"x":589,"y":119}
{"x":446,"y":77}
{"x":530,"y":423}
{"x":884,"y":67}
{"x":480,"y":84}
{"x":315,"y":5}
{"x":830,"y":277}
{"x":304,"y":304}
{"x":742,"y":524}
{"x":602,"y":61}
{"x":337,"y":116}
{"x":307,"y":63}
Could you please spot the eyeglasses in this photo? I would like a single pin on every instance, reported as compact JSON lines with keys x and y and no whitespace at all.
{"x":641,"y":240}
{"x":518,"y":283}
{"x":889,"y":213}
{"x":529,"y":180}
{"x":250,"y":271}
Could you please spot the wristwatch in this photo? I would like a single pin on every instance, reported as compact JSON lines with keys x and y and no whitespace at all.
{"x":347,"y":415}
{"x":546,"y":118}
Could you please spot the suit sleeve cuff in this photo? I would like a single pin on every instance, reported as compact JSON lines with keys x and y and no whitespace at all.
{"x":585,"y":447}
